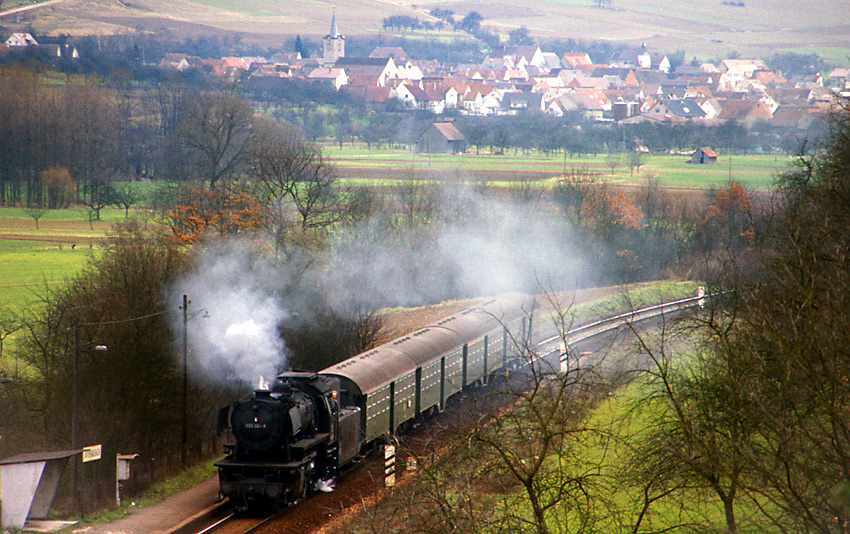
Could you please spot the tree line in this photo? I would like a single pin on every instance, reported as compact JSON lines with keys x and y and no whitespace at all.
{"x":470,"y":23}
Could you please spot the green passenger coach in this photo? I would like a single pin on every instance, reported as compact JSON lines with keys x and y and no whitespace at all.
{"x":399,"y":380}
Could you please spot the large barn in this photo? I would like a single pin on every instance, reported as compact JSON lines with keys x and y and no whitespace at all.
{"x":441,"y":138}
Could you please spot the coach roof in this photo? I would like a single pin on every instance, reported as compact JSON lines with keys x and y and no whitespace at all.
{"x":378,"y":367}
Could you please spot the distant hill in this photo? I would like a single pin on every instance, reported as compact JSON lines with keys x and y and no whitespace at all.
{"x":708,"y":29}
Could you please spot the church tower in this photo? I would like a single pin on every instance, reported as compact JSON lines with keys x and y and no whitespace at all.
{"x":334,"y":43}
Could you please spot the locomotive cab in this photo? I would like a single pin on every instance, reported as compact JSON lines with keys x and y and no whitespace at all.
{"x":286,"y":441}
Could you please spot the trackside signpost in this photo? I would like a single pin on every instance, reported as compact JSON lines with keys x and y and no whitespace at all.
{"x":91,"y":453}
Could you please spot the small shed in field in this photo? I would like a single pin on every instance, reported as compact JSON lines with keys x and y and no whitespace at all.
{"x":441,"y":138}
{"x":704,"y":155}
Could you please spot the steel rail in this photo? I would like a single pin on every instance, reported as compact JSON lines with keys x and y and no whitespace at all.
{"x":216,"y":524}
{"x":221,"y":523}
{"x":608,"y":324}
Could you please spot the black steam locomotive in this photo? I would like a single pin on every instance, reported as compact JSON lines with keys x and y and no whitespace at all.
{"x":294,"y":438}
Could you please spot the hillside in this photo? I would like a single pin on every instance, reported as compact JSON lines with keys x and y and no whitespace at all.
{"x":706,"y":29}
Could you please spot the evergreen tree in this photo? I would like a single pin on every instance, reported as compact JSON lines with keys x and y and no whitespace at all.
{"x":299,"y":47}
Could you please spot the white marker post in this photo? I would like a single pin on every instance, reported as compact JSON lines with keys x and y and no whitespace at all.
{"x":389,"y":466}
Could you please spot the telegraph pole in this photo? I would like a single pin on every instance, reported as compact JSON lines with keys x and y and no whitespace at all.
{"x":75,"y":423}
{"x":184,"y":421}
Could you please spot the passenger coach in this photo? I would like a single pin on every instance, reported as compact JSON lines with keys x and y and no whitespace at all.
{"x":399,"y":380}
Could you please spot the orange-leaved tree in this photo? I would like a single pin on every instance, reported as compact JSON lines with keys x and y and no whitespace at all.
{"x":607,"y":213}
{"x":199,"y":211}
{"x":731,"y":212}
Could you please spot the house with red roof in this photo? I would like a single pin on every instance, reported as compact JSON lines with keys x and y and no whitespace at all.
{"x":369,"y":70}
{"x":574,"y":59}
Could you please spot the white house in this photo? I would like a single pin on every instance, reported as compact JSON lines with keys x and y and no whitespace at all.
{"x":21,"y":39}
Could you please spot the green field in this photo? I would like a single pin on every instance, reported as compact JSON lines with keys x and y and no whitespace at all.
{"x":34,"y":261}
{"x":34,"y":258}
{"x":27,"y":267}
{"x":359,"y":166}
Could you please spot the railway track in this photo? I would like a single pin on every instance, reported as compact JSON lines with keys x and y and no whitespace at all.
{"x":366,"y":482}
{"x":234,"y":523}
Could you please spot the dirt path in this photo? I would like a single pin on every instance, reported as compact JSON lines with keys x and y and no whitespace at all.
{"x":53,"y":231}
{"x":30,"y":8}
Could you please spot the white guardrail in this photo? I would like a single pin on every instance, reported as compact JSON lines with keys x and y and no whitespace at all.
{"x":610,"y":323}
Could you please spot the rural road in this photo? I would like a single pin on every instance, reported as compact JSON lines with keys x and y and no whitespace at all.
{"x":28,"y":8}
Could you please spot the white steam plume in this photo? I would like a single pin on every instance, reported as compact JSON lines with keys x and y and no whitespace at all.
{"x":233,"y":316}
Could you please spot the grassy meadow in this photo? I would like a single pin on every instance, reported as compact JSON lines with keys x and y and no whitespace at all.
{"x":35,"y":260}
{"x":28,"y":267}
{"x":33,"y":257}
{"x":359,"y":166}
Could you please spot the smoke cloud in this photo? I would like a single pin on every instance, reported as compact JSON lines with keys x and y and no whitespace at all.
{"x":483,"y":247}
{"x":497,"y":247}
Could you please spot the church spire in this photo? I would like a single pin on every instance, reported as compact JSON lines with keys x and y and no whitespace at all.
{"x":334,"y":47}
{"x":334,"y":34}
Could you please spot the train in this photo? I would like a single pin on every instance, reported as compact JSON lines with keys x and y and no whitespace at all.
{"x":295,"y":437}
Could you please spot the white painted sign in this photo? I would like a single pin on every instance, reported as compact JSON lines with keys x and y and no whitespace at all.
{"x":92,"y":453}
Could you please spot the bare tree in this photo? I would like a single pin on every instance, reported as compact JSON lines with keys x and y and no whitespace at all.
{"x":295,"y":182}
{"x":571,"y":193}
{"x":36,"y":213}
{"x":216,"y":129}
{"x":635,"y":161}
{"x":415,"y":200}
{"x":98,"y":195}
{"x":795,"y":332}
{"x":701,"y":437}
{"x":538,"y":445}
{"x":125,"y":195}
{"x":612,"y":160}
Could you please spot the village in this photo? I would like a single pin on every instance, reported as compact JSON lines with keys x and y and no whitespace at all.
{"x":636,"y":85}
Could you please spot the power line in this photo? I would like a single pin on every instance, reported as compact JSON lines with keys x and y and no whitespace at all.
{"x":131,"y":319}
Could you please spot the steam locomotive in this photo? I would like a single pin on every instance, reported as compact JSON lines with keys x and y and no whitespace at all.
{"x":294,"y":438}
